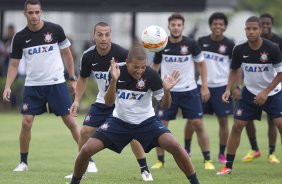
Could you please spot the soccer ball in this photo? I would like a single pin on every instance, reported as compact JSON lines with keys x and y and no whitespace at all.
{"x":154,"y":38}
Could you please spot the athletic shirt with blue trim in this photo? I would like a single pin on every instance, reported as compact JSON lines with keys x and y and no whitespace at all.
{"x":259,"y":66}
{"x":41,"y":52}
{"x":217,"y":56}
{"x":91,"y":61}
{"x":180,"y":56}
{"x":134,"y":97}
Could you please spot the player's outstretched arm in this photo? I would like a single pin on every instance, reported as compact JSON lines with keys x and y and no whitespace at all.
{"x":110,"y":94}
{"x":168,"y":83}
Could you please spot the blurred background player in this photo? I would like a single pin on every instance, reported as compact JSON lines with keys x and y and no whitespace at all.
{"x":217,"y":50}
{"x":40,"y":43}
{"x":97,"y":59}
{"x":261,"y":62}
{"x":180,"y":54}
{"x":267,"y":22}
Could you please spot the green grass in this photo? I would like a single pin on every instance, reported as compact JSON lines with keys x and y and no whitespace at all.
{"x":53,"y":151}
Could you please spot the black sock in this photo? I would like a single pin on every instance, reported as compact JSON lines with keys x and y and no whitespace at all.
{"x":222,"y":149}
{"x":254,"y":144}
{"x":193,"y":179}
{"x":187,"y":144}
{"x":143,"y":165}
{"x":91,"y":160}
{"x":271,"y":149}
{"x":75,"y":180}
{"x":161,"y":158}
{"x":24,"y":157}
{"x":229,"y":160}
{"x":206,"y":155}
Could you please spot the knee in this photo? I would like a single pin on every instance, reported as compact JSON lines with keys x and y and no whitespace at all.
{"x":197,"y":125}
{"x":86,"y":151}
{"x":86,"y":132}
{"x":27,"y":123}
{"x":238,"y":127}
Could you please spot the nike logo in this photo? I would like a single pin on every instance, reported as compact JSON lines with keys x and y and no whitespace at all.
{"x":161,"y":127}
{"x":94,"y":64}
{"x":120,"y":81}
{"x":245,"y":56}
{"x":27,"y":41}
{"x":166,"y":50}
{"x":206,"y":45}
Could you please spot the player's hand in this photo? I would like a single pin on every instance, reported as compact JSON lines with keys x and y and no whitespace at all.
{"x":261,"y":98}
{"x":225,"y":96}
{"x":114,"y":69}
{"x":73,"y":109}
{"x":205,"y":93}
{"x":7,"y":94}
{"x":170,"y":80}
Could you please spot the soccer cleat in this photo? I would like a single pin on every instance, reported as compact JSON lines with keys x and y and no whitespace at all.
{"x":273,"y":160}
{"x":70,"y":176}
{"x":158,"y":165}
{"x":252,"y":154}
{"x":209,"y":165}
{"x":221,"y":158}
{"x":146,"y":176}
{"x":92,"y":167}
{"x":21,"y":167}
{"x":224,"y":171}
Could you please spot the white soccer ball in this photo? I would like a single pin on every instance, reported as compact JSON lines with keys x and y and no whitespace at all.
{"x":154,"y":38}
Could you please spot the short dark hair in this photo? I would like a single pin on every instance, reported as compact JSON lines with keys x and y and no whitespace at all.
{"x":136,"y":51}
{"x":267,"y":15}
{"x":102,"y":24}
{"x":254,"y":19}
{"x":218,"y":15}
{"x":176,"y":16}
{"x":33,"y":2}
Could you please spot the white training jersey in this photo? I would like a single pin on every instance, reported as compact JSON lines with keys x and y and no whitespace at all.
{"x":217,"y":56}
{"x":180,"y":56}
{"x":41,"y":52}
{"x":134,"y":97}
{"x":259,"y":66}
{"x":91,"y":61}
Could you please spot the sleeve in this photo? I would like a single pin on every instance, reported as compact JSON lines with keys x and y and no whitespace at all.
{"x":277,"y":59}
{"x":197,"y":53}
{"x":16,"y":51}
{"x":63,"y":41}
{"x":157,"y":87}
{"x":236,"y":60}
{"x":85,"y":68}
{"x":157,"y":58}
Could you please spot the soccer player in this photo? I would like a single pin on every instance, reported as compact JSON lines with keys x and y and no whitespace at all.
{"x":97,"y":60}
{"x":180,"y":54}
{"x":217,"y":50}
{"x":41,"y":43}
{"x":266,"y":22}
{"x":131,"y":88}
{"x":261,"y":62}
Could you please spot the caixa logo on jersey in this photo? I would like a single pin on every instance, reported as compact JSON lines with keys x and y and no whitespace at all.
{"x":171,"y":59}
{"x":256,"y":68}
{"x":40,"y":49}
{"x":129,"y":95}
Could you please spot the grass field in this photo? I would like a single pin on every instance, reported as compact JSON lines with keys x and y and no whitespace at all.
{"x":53,"y":151}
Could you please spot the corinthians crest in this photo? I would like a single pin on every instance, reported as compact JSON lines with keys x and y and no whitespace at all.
{"x":183,"y":49}
{"x":48,"y":37}
{"x":222,"y":49}
{"x":263,"y":57}
{"x":141,"y":84}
